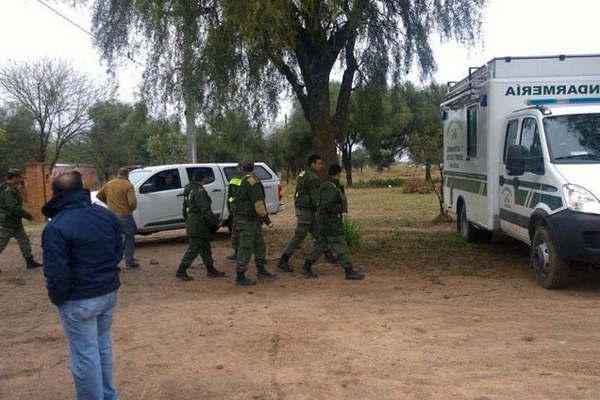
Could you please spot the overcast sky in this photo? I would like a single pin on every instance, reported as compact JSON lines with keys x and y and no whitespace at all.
{"x":28,"y":30}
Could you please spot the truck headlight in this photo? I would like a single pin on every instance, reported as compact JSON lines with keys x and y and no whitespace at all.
{"x":580,"y":200}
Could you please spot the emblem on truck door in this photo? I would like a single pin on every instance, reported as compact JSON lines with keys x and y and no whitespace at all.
{"x":507,"y":198}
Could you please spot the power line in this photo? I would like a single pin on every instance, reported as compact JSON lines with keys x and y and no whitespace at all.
{"x":81,"y":28}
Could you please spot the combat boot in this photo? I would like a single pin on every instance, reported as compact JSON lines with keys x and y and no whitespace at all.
{"x":330,"y":257}
{"x":31,"y":263}
{"x":233,"y":256}
{"x":212,"y":272}
{"x":283,"y":263}
{"x":183,"y":275}
{"x":241,"y":280}
{"x":354,"y":274}
{"x":307,"y":270}
{"x":262,"y":273}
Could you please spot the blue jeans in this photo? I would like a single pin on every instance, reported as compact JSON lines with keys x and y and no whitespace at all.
{"x":87,"y":327}
{"x":128,"y":227}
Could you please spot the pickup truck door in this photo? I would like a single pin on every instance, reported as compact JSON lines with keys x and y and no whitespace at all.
{"x":214,"y":186}
{"x":160,"y":200}
{"x":271,"y":184}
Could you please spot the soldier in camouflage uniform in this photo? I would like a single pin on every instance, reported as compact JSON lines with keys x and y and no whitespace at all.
{"x":200,"y":223}
{"x":12,"y":214}
{"x":232,"y":191}
{"x":332,"y":204}
{"x":306,"y":201}
{"x":251,"y":214}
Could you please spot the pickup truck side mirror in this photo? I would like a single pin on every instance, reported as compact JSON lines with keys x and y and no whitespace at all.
{"x":516,"y":159}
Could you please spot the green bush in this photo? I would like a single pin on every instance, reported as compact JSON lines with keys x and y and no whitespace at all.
{"x":352,"y":234}
{"x":379,"y":182}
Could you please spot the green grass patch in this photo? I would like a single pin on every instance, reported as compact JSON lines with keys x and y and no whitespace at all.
{"x":352,"y":233}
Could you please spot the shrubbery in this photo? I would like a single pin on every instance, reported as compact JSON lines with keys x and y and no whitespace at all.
{"x":352,"y":234}
{"x":380,"y":182}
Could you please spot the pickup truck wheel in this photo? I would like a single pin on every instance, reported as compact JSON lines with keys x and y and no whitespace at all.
{"x":552,"y":272}
{"x":469,"y":231}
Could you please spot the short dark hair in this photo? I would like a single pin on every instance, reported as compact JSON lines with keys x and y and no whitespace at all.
{"x":124,"y":172}
{"x":334,"y":169}
{"x":313,"y":158}
{"x":67,"y":182}
{"x":247,"y":166}
{"x":198,"y":176}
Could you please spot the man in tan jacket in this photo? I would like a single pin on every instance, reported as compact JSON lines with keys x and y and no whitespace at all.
{"x":119,"y":195}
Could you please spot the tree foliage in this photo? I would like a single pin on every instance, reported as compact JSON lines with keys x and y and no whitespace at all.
{"x":240,"y":52}
{"x":56,"y":96}
{"x":18,"y":137}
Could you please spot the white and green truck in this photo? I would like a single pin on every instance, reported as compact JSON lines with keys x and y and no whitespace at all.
{"x":522,"y":157}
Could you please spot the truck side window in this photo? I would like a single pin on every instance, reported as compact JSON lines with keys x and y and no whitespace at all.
{"x":207,"y":171}
{"x":472,"y":132}
{"x":164,"y":180}
{"x":512,"y":130}
{"x":530,"y":139}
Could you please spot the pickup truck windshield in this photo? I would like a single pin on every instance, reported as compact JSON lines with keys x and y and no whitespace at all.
{"x":573,"y":139}
{"x":137,"y":175}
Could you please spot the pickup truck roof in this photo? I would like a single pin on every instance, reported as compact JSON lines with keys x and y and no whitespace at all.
{"x":153,"y":168}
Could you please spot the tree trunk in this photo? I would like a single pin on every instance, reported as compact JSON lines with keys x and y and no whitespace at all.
{"x":347,"y":162}
{"x":428,"y":171}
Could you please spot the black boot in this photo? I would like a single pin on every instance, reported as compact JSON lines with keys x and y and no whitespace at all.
{"x":330,"y":257}
{"x":307,"y":270}
{"x":241,"y":280}
{"x":283,"y":263}
{"x":233,"y":256}
{"x":183,"y":275}
{"x":31,"y":263}
{"x":262,"y":273}
{"x":354,"y":274}
{"x":212,"y":272}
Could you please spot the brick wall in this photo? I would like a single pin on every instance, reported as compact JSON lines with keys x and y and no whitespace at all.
{"x":38,"y":189}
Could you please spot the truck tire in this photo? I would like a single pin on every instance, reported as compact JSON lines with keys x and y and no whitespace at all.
{"x":552,"y":272}
{"x":469,"y":231}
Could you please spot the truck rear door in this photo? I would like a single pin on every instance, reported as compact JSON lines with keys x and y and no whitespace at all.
{"x":270,"y":182}
{"x":214,"y":186}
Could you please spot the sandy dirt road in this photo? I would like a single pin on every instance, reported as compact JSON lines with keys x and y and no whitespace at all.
{"x":434,"y":319}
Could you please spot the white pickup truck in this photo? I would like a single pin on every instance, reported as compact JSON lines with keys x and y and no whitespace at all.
{"x":159,"y":191}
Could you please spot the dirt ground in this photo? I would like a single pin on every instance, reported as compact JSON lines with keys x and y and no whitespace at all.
{"x":436,"y":318}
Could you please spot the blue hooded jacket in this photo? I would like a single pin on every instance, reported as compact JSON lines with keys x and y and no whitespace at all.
{"x":82,"y":248}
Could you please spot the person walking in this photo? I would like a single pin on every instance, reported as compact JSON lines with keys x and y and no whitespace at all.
{"x":200,"y":222}
{"x":82,"y":247}
{"x":232,"y":192}
{"x":251,"y":214}
{"x":306,"y":201}
{"x":332,"y":204}
{"x":12,"y":214}
{"x":119,"y":195}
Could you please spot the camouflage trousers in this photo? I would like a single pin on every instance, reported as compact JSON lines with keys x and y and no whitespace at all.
{"x":307,"y":223}
{"x":235,"y":235}
{"x":335,"y":243}
{"x":251,"y":243}
{"x":197,"y":246}
{"x":18,"y":233}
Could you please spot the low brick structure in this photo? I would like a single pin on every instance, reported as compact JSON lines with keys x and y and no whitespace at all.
{"x":38,"y":189}
{"x":39,"y":184}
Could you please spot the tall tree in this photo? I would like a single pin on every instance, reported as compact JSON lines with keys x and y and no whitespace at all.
{"x":17,"y":137}
{"x":245,"y":50}
{"x":56,"y":95}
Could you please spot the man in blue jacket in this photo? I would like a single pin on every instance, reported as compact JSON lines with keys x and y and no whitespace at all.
{"x":82,"y":248}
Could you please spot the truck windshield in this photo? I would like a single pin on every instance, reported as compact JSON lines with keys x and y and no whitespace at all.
{"x":137,"y":175}
{"x":573,"y":139}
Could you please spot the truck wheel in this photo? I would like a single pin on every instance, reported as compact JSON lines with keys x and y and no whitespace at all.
{"x":552,"y":272}
{"x":469,"y":231}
